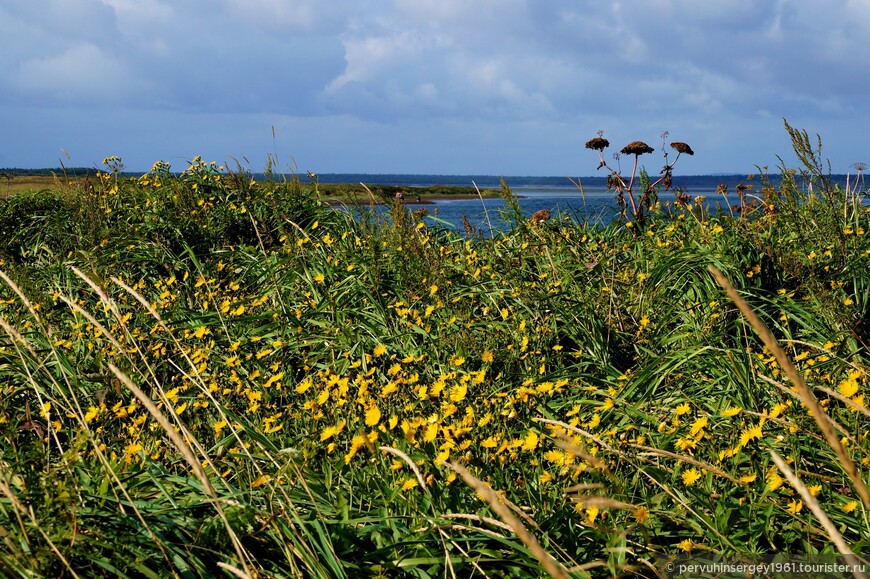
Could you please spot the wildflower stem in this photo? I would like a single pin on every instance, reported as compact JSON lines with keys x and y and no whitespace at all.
{"x":495,"y":501}
{"x":798,"y":382}
{"x":817,"y":510}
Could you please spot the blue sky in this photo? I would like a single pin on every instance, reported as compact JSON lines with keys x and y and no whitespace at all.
{"x":504,"y":87}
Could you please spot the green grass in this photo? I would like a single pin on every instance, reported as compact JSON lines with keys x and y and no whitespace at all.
{"x":207,"y":376}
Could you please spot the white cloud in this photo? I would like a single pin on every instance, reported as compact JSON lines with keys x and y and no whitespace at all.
{"x":140,"y":10}
{"x":83,"y":72}
{"x":701,"y":69}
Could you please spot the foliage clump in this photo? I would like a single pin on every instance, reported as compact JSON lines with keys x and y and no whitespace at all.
{"x":203,"y":373}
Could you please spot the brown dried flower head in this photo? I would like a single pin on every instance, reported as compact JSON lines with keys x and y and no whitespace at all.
{"x":636,"y":148}
{"x":682,"y":148}
{"x":598,"y":144}
{"x":542,"y":215}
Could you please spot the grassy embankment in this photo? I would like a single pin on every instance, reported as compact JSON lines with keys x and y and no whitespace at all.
{"x":332,"y":193}
{"x":205,"y":376}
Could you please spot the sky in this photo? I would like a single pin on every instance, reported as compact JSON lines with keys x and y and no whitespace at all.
{"x":497,"y":87}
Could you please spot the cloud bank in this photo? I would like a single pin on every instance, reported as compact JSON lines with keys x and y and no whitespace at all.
{"x":436,"y":86}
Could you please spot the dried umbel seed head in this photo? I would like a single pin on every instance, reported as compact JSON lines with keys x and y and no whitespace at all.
{"x":636,"y":148}
{"x":682,"y":148}
{"x":614,"y":181}
{"x":598,"y":143}
{"x":542,"y":215}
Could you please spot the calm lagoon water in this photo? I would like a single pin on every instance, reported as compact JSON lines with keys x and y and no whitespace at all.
{"x":598,"y":206}
{"x":488,"y":215}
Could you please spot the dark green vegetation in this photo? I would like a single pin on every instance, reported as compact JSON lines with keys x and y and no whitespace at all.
{"x":206,"y":376}
{"x":13,"y":183}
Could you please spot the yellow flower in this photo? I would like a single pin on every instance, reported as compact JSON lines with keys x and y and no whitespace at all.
{"x":319,"y":278}
{"x":641,"y":515}
{"x":774,"y":481}
{"x":795,"y":506}
{"x":487,"y":357}
{"x":687,"y":545}
{"x":431,"y":432}
{"x":531,"y":441}
{"x":750,"y":434}
{"x":815,"y":490}
{"x":91,"y":413}
{"x":748,"y":478}
{"x":591,"y":515}
{"x":849,"y":507}
{"x":778,"y":409}
{"x":331,"y":431}
{"x":691,"y":476}
{"x":379,"y":350}
{"x":733,"y":411}
{"x":409,"y":484}
{"x":686,"y":444}
{"x":373,"y":416}
{"x":596,"y":420}
{"x":849,"y":386}
{"x":698,"y":426}
{"x":682,"y":409}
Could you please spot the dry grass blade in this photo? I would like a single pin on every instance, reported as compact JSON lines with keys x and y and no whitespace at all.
{"x":92,"y":320}
{"x":817,"y":510}
{"x":807,"y":396}
{"x":687,"y":459}
{"x":478,"y":518}
{"x":495,"y":501}
{"x":7,"y":492}
{"x":188,"y":455}
{"x":599,"y":502}
{"x":847,"y":401}
{"x":485,"y":212}
{"x":791,"y":392}
{"x":407,"y":459}
{"x":20,"y":295}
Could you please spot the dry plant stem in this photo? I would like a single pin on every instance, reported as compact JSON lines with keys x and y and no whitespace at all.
{"x":677,"y":499}
{"x":687,"y":459}
{"x":188,"y":455}
{"x":788,"y":391}
{"x":478,"y":518}
{"x":631,"y":191}
{"x":485,"y":212}
{"x":21,"y":296}
{"x":100,"y":455}
{"x":202,"y":387}
{"x":797,"y":381}
{"x":407,"y":459}
{"x":495,"y":501}
{"x":29,"y":512}
{"x":817,"y":510}
{"x":847,"y":401}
